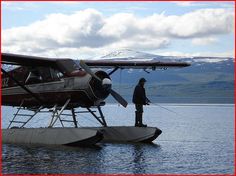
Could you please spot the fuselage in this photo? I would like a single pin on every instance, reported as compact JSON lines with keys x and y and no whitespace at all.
{"x":53,"y":88}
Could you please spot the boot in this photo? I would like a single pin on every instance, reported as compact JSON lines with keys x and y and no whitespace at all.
{"x":140,"y":120}
{"x":136,"y":119}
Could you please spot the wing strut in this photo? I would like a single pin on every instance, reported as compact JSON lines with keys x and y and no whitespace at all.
{"x":23,"y":87}
{"x":116,"y":68}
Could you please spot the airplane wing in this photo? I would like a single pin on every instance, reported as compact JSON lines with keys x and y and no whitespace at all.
{"x":67,"y":66}
{"x":133,"y":64}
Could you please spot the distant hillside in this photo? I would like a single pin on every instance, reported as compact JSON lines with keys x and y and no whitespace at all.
{"x":207,"y":80}
{"x":202,"y":69}
{"x":212,"y":92}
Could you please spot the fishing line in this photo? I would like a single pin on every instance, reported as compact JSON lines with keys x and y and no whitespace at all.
{"x":166,"y":109}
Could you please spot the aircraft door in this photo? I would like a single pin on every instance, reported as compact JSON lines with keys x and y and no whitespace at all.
{"x":69,"y":83}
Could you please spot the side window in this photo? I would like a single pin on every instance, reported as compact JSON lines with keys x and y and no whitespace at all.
{"x":45,"y":73}
{"x":55,"y":74}
{"x":42,"y":74}
{"x":33,"y":77}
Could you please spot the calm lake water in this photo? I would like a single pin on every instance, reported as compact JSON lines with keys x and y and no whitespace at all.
{"x":196,"y":138}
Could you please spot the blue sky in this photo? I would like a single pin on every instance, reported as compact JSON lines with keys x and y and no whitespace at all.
{"x":113,"y":32}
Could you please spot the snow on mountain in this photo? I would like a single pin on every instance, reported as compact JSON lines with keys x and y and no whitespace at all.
{"x":128,"y":54}
{"x":212,"y":59}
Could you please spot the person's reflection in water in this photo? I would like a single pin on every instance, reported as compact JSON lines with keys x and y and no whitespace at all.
{"x":141,"y":154}
{"x":139,"y":159}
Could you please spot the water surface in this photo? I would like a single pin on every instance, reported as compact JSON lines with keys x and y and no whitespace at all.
{"x":196,"y":138}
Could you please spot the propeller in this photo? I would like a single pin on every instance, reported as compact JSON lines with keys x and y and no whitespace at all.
{"x":88,"y":70}
{"x":118,"y":98}
{"x":115,"y":95}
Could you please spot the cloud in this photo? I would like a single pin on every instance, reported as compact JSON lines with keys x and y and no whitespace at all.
{"x":89,"y":31}
{"x":204,"y":22}
{"x":204,"y":41}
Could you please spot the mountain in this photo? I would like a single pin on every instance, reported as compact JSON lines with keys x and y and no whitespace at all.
{"x":202,"y":69}
{"x":129,"y":54}
{"x":207,"y":80}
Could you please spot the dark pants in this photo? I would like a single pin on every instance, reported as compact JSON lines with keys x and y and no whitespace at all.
{"x":138,"y":114}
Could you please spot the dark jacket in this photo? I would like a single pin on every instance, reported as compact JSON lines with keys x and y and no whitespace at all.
{"x":139,"y":96}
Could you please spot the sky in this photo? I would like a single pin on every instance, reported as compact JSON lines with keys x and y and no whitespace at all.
{"x":82,"y":30}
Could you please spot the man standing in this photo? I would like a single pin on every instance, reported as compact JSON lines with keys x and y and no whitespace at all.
{"x":140,"y":99}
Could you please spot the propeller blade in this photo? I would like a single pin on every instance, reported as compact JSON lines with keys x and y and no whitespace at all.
{"x":119,"y":98}
{"x":88,"y":70}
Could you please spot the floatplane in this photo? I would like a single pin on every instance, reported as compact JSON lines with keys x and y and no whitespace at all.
{"x":56,"y":85}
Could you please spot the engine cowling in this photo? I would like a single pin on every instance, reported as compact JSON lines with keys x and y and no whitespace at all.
{"x":102,"y":89}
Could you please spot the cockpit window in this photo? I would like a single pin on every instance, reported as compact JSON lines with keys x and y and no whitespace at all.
{"x":42,"y":74}
{"x":55,"y":74}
